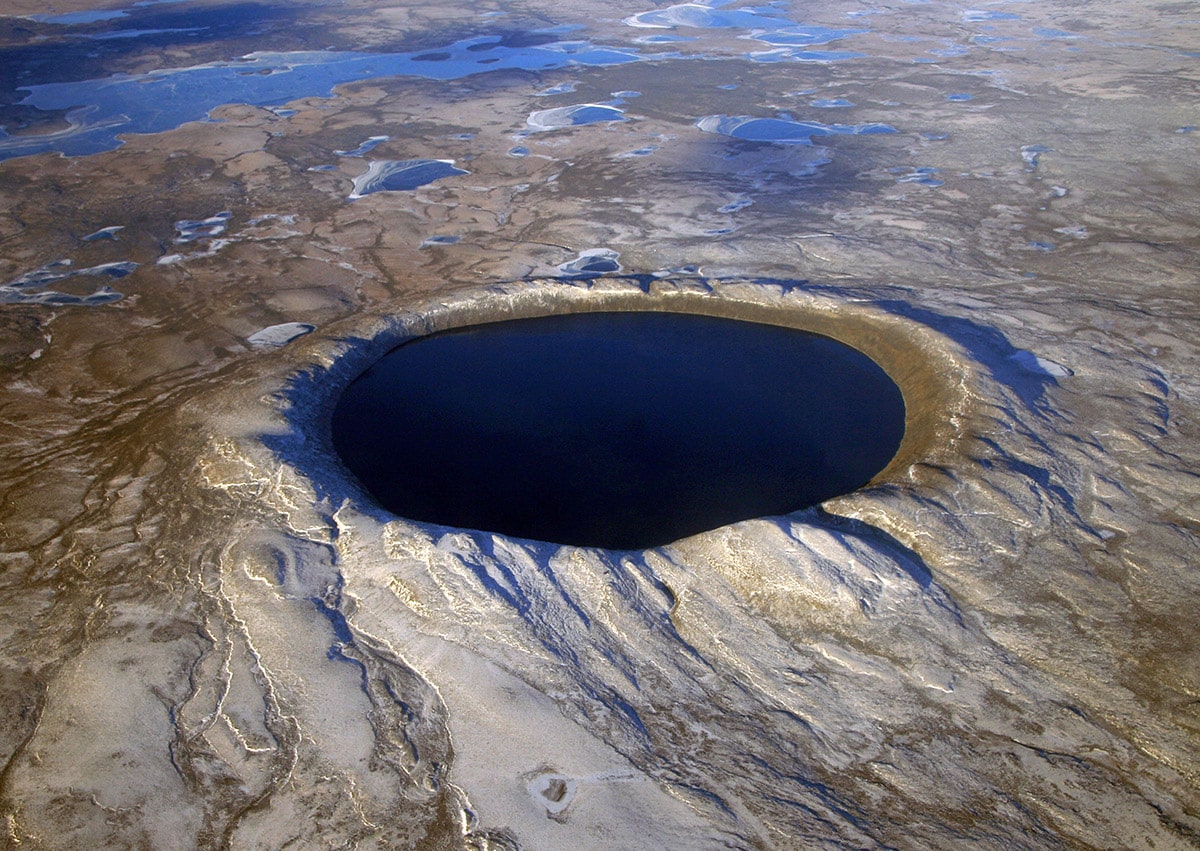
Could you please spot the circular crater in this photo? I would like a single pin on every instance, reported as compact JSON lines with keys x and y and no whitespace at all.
{"x":622,"y":430}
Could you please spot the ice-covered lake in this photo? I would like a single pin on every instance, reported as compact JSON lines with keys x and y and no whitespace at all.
{"x":215,"y":215}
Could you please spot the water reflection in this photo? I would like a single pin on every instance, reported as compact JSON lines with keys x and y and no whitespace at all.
{"x":572,"y":116}
{"x":592,"y":262}
{"x":32,"y":287}
{"x":165,"y":98}
{"x":782,"y":131}
{"x":365,"y":148}
{"x":99,"y":110}
{"x":402,"y":175}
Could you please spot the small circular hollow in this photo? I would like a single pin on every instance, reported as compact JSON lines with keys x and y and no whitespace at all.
{"x":621,"y":430}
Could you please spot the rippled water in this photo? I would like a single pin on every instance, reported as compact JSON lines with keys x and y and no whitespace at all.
{"x":213,"y":216}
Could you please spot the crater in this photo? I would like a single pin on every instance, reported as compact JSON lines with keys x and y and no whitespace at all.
{"x":619,"y":429}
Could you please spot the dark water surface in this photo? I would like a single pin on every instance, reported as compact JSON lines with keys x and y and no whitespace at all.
{"x":618,"y":430}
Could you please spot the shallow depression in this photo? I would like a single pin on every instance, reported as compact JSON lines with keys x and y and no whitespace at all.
{"x":618,"y":430}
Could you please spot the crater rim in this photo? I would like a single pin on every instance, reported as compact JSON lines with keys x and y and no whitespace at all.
{"x":926,"y":366}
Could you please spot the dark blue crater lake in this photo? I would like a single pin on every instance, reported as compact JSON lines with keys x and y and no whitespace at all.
{"x":616,"y":430}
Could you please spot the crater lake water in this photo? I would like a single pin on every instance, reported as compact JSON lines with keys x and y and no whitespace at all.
{"x":620,"y":430}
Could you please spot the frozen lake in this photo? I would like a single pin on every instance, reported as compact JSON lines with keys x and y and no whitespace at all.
{"x":214,"y":216}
